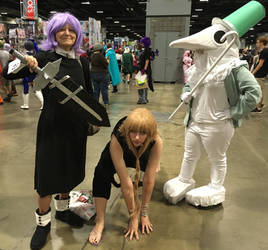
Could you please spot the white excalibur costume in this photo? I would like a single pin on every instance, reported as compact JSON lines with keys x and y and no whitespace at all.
{"x":218,"y":104}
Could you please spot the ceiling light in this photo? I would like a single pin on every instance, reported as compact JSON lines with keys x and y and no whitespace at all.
{"x":99,"y":11}
{"x":198,"y":9}
{"x":4,"y":13}
{"x":252,"y":35}
{"x":123,"y":26}
{"x":108,"y":17}
{"x":128,"y":29}
{"x":111,"y":33}
{"x":251,"y":29}
{"x":52,"y":12}
{"x":259,"y":24}
{"x":203,"y":0}
{"x":87,"y":2}
{"x":143,"y":2}
{"x":194,"y":15}
{"x":131,"y":9}
{"x":116,"y":21}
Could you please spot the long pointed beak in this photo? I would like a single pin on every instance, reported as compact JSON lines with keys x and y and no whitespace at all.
{"x":201,"y":40}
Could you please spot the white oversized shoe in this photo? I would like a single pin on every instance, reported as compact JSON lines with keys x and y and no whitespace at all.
{"x":174,"y":190}
{"x":206,"y":196}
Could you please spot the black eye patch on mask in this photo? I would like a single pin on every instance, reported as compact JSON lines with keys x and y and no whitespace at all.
{"x":218,"y":35}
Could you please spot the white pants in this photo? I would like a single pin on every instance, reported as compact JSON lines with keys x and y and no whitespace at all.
{"x":215,"y":138}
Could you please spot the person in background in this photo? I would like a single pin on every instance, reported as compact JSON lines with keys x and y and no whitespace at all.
{"x":261,"y":70}
{"x":145,"y":68}
{"x":118,"y":54}
{"x":135,"y":143}
{"x":127,"y":63}
{"x":247,"y":57}
{"x":135,"y":62}
{"x":1,"y":68}
{"x":187,"y":63}
{"x":113,"y":67}
{"x":31,"y":49}
{"x":5,"y":58}
{"x":99,"y":74}
{"x":61,"y":136}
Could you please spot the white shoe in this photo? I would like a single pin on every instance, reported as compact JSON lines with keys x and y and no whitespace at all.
{"x":25,"y":98}
{"x":24,"y":107}
{"x":174,"y":190}
{"x":206,"y":196}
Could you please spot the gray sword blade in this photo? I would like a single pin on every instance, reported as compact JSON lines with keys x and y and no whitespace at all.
{"x":101,"y":119}
{"x":46,"y":74}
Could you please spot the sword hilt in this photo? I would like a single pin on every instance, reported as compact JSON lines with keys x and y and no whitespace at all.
{"x":20,"y":56}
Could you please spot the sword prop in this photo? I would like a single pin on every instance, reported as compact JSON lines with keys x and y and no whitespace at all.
{"x":68,"y":93}
{"x":235,"y":36}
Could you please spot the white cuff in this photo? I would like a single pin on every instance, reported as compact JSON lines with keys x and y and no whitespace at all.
{"x":61,"y":205}
{"x":43,"y":220}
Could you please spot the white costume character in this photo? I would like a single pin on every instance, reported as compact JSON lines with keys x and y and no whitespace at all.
{"x":226,"y":95}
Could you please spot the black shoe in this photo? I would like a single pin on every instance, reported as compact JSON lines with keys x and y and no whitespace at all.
{"x":39,"y":237}
{"x":70,"y":218}
{"x":115,"y":90}
{"x":8,"y":98}
{"x":139,"y":102}
{"x":256,"y":110}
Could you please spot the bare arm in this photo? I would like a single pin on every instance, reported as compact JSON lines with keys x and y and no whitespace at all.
{"x":146,"y":64}
{"x":120,"y":167}
{"x":149,"y":176}
{"x":261,"y":61}
{"x":148,"y":184}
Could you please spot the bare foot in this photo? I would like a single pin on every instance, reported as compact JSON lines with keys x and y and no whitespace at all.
{"x":95,"y":235}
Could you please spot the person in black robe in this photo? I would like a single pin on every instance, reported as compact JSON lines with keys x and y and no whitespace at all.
{"x":61,"y":136}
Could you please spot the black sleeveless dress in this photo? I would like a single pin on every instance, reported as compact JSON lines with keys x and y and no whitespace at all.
{"x":105,"y":170}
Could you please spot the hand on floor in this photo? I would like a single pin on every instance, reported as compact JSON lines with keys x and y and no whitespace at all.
{"x":146,"y":225}
{"x":132,"y":230}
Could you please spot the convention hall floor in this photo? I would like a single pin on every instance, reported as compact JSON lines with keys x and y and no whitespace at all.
{"x":240,"y":223}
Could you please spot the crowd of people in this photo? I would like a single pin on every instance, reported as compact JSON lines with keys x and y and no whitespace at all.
{"x":135,"y":141}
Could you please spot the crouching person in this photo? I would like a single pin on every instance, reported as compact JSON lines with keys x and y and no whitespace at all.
{"x":134,"y":143}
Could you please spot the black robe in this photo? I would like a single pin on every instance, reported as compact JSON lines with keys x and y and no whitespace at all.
{"x":61,"y":136}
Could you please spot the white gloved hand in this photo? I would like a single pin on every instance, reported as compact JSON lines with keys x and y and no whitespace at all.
{"x":186,"y":97}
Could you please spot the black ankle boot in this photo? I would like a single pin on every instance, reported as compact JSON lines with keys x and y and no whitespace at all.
{"x":64,"y":214}
{"x":39,"y":237}
{"x":70,"y":218}
{"x":115,"y":89}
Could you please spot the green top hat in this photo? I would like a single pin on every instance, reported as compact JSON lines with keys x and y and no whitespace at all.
{"x":244,"y":18}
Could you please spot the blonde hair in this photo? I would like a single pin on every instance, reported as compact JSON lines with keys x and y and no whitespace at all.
{"x":139,"y":120}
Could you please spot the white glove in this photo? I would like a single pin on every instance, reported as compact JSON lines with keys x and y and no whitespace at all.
{"x":186,"y":97}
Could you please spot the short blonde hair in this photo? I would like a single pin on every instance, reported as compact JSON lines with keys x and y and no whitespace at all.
{"x":139,"y":120}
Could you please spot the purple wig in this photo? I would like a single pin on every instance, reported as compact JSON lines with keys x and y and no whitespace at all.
{"x":57,"y":22}
{"x":146,"y":41}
